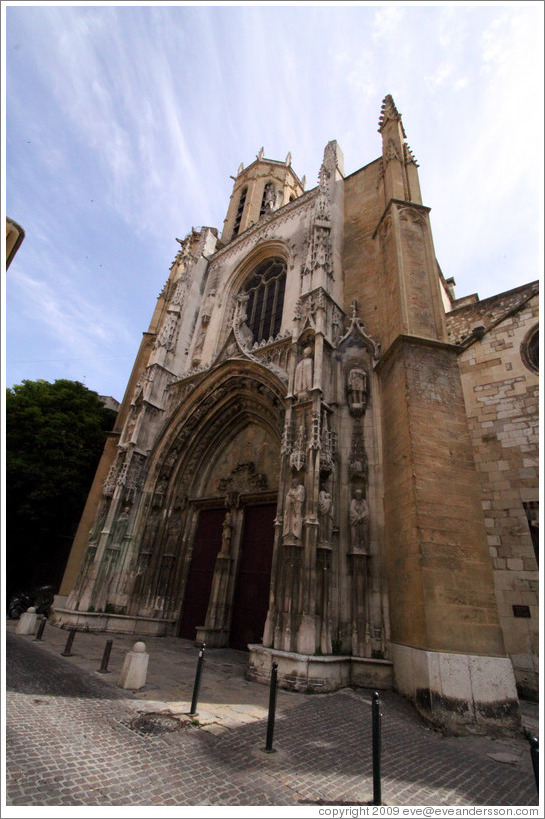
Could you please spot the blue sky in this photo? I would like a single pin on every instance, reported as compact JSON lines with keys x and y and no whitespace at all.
{"x":123,"y":124}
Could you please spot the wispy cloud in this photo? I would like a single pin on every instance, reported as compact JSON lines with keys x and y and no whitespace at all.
{"x":125,"y":122}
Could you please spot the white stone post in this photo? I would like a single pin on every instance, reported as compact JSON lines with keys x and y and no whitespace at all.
{"x":135,"y":668}
{"x":28,"y":622}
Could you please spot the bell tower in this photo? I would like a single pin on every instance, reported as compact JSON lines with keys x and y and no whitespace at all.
{"x":444,"y":622}
{"x":259,"y":190}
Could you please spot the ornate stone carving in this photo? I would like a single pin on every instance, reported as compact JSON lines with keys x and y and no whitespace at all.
{"x":113,"y":473}
{"x":285,"y":447}
{"x":327,"y":447}
{"x":269,"y":198}
{"x":357,"y":461}
{"x":325,"y":516}
{"x":389,"y":111}
{"x":208,"y":306}
{"x":356,"y":389}
{"x":180,"y":291}
{"x":390,"y":152}
{"x":292,"y":529}
{"x":243,"y":478}
{"x":298,"y":455}
{"x":356,"y":335}
{"x":408,"y":156}
{"x":226,"y":536}
{"x":304,"y":371}
{"x":315,"y":438}
{"x":135,"y":475}
{"x":150,"y":531}
{"x":168,"y":333}
{"x":358,"y":516}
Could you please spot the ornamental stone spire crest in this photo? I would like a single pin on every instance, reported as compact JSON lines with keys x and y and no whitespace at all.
{"x":389,"y":111}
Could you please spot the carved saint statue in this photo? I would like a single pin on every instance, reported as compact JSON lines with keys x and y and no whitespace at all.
{"x":325,"y":516}
{"x":173,"y":534}
{"x":269,"y":197}
{"x":121,"y":526}
{"x":227,"y":535}
{"x":303,"y":374}
{"x":357,"y":388}
{"x":293,"y":512}
{"x":208,"y":307}
{"x":359,"y":520}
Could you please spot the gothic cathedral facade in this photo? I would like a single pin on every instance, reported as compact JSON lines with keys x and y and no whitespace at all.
{"x":293,"y":472}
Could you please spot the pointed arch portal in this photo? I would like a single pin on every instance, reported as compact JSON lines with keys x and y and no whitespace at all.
{"x":219,"y":461}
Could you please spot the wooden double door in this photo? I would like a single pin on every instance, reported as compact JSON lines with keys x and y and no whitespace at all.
{"x":251,"y":591}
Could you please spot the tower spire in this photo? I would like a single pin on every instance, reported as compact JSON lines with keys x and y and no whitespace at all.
{"x":389,"y":111}
{"x":398,"y":162}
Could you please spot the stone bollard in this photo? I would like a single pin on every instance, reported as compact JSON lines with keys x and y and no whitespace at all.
{"x":28,"y":622}
{"x":135,"y":667}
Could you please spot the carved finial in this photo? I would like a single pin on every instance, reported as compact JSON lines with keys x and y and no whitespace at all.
{"x":389,"y":111}
{"x":240,"y":168}
{"x":288,"y":158}
{"x":261,"y":153}
{"x":354,"y":309}
{"x":303,"y":182}
{"x":409,"y":156}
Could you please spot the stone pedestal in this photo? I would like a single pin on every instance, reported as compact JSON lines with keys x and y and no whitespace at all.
{"x":458,"y":691}
{"x":304,"y":672}
{"x":135,"y":668}
{"x":28,"y":622}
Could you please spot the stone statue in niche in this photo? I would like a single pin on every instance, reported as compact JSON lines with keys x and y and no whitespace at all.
{"x":150,"y":531}
{"x":269,"y":197}
{"x":173,"y":535}
{"x":208,"y":307}
{"x":304,"y":374}
{"x":325,"y":517}
{"x":227,"y":535}
{"x":121,"y":526}
{"x":357,"y":390}
{"x":293,"y":513}
{"x":359,"y":524}
{"x":129,"y":429}
{"x":197,"y":352}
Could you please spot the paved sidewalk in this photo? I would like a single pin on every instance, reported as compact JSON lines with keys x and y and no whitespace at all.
{"x":322,"y":742}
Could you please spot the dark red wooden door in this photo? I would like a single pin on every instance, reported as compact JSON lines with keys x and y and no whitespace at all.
{"x":201,"y":571}
{"x":251,"y":598}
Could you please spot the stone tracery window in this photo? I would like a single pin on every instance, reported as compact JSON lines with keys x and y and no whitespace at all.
{"x":265,"y":288}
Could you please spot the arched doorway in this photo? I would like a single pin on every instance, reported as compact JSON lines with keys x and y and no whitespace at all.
{"x":217,"y":472}
{"x":251,"y":597}
{"x":227,"y":593}
{"x":201,"y":571}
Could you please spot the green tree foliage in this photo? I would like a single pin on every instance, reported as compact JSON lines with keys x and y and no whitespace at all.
{"x":55,"y":435}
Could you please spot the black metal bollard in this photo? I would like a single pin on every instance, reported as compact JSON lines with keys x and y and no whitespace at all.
{"x":534,"y":753}
{"x":41,"y":627}
{"x":377,"y":790}
{"x":196,"y":687}
{"x":272,"y":709}
{"x":67,"y":649}
{"x":105,"y":658}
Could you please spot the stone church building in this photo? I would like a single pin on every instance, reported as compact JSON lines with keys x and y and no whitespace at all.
{"x":323,"y":457}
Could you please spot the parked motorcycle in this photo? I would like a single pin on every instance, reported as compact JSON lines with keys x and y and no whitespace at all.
{"x":41,"y":598}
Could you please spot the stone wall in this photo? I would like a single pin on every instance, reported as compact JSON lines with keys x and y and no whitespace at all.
{"x":502,"y":397}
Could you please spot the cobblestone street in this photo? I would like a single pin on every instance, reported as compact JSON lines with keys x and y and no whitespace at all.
{"x":71,"y":740}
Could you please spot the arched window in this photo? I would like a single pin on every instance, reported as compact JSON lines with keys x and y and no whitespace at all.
{"x":238,"y":217}
{"x":530,"y":349}
{"x":265,"y":289}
